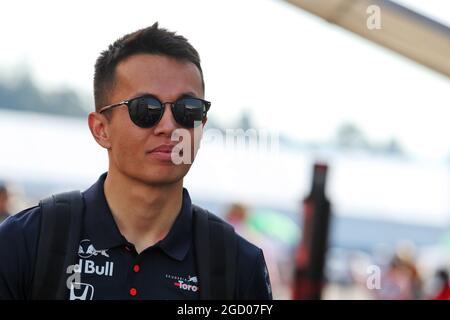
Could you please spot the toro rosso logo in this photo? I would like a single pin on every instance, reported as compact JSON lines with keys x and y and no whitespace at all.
{"x":189,"y":284}
{"x":86,"y":250}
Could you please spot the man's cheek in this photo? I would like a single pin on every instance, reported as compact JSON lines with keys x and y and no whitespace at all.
{"x":125,"y":150}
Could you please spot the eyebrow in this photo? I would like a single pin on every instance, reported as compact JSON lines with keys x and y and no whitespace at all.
{"x":182,"y":95}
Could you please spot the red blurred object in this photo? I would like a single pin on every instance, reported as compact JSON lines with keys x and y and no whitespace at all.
{"x":310,"y":254}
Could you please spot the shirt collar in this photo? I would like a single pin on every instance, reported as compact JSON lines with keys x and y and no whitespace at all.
{"x":104,"y":233}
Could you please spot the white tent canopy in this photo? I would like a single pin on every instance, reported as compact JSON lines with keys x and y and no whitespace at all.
{"x":402,"y":30}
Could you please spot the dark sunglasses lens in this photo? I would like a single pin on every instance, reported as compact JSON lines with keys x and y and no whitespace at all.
{"x":145,"y":112}
{"x":188,"y":112}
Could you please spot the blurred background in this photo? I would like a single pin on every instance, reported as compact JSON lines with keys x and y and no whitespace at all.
{"x":352,"y":201}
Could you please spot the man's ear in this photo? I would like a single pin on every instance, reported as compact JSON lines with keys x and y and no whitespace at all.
{"x":99,"y":126}
{"x":204,"y":120}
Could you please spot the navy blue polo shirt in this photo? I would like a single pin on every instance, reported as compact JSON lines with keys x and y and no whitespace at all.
{"x":110,"y":267}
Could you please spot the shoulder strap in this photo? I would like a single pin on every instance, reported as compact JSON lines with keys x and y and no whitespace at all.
{"x":216,"y":254}
{"x":61,"y":221}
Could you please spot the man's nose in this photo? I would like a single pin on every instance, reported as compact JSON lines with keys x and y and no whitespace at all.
{"x":167,"y":123}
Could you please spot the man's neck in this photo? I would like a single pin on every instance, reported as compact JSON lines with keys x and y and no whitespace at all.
{"x":143,"y":213}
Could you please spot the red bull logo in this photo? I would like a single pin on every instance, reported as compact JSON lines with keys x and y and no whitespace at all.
{"x":89,"y":267}
{"x":86,"y":250}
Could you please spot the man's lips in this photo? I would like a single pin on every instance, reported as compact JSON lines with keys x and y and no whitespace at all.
{"x":162,"y":152}
{"x":164,"y":148}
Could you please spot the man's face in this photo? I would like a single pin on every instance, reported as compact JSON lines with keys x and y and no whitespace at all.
{"x":129,"y":145}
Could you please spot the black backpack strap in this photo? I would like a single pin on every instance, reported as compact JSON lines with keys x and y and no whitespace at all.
{"x":202,"y":250}
{"x":216,"y":254}
{"x":61,"y":221}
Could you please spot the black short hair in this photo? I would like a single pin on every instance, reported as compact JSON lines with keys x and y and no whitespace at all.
{"x":152,"y":40}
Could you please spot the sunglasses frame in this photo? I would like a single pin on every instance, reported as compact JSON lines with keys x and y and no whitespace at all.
{"x":127,"y":102}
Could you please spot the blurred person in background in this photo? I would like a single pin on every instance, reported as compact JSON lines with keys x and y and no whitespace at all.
{"x":395,"y":282}
{"x":400,"y":281}
{"x":4,"y":202}
{"x":406,"y":252}
{"x":237,"y":217}
{"x":442,"y":284}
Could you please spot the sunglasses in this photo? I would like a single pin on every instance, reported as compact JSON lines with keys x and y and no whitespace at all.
{"x":147,"y":110}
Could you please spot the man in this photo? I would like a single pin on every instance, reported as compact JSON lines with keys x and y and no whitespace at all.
{"x":137,"y":238}
{"x":3,"y":202}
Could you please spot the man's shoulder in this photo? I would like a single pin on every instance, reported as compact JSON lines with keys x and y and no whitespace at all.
{"x":19,"y":236}
{"x":252,"y":275}
{"x":20,"y":231}
{"x":247,"y":251}
{"x":26,"y":222}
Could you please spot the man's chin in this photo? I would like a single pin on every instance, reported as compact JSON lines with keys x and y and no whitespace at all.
{"x":163,"y":178}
